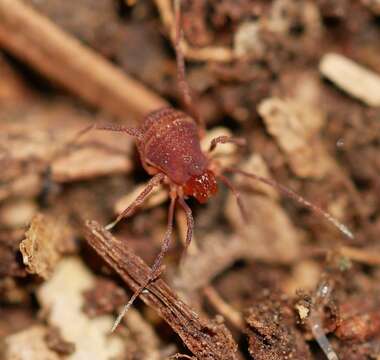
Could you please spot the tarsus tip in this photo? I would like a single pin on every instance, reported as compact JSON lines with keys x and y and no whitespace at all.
{"x":110,"y":226}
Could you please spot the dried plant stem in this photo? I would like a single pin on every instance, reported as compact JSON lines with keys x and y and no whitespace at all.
{"x":223,"y":307}
{"x":204,"y":338}
{"x":36,"y":40}
{"x":364,"y":256}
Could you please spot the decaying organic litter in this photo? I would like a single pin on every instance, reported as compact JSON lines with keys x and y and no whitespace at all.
{"x":297,"y":80}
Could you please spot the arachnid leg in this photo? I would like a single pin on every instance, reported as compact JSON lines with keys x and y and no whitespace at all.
{"x":226,"y":139}
{"x":153,"y":182}
{"x":156,"y":267}
{"x":183,"y":85}
{"x":293,"y":195}
{"x":237,"y":195}
{"x":135,"y":132}
{"x":108,"y":127}
{"x":190,"y":225}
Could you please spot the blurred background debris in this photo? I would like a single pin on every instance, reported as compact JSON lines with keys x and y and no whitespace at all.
{"x":299,"y":80}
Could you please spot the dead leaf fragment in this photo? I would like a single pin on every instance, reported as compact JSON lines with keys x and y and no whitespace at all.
{"x":42,"y":247}
{"x":269,"y":234}
{"x":295,"y":126}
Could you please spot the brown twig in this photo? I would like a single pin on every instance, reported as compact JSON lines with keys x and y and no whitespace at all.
{"x":207,"y":340}
{"x":36,"y":40}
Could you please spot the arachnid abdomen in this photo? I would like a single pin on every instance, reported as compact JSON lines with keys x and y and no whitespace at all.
{"x":170,"y":143}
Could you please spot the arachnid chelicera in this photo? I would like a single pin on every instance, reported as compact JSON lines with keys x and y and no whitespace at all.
{"x":168,"y":142}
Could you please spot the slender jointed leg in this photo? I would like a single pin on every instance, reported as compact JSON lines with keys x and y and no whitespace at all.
{"x":156,"y":268}
{"x":226,"y":139}
{"x":237,"y":195}
{"x":190,"y":224}
{"x":153,"y":182}
{"x":181,"y":72}
{"x":135,"y":132}
{"x":108,"y":127}
{"x":293,"y":195}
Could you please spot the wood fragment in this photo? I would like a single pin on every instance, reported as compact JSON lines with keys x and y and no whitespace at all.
{"x":36,"y":40}
{"x":351,"y":77}
{"x":206,"y":339}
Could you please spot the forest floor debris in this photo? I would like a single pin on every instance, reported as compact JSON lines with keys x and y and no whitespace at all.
{"x":297,"y":80}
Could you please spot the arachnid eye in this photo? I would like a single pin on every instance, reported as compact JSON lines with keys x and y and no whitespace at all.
{"x":201,"y":186}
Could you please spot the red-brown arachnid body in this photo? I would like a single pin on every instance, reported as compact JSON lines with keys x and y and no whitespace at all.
{"x":168,"y":141}
{"x":170,"y":144}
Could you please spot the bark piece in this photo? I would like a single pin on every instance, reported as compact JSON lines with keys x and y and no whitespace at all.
{"x":272,"y":333}
{"x":206,"y":339}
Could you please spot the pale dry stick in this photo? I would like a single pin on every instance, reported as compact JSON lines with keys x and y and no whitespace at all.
{"x":364,"y":256}
{"x":224,"y":308}
{"x":35,"y":39}
{"x":208,"y":53}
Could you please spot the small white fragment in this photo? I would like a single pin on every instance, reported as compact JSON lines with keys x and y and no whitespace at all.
{"x":28,"y":344}
{"x":351,"y":77}
{"x":247,"y":40}
{"x":303,"y":311}
{"x":61,"y":297}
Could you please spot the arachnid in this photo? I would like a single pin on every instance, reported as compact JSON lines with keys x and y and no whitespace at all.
{"x":168,"y":142}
